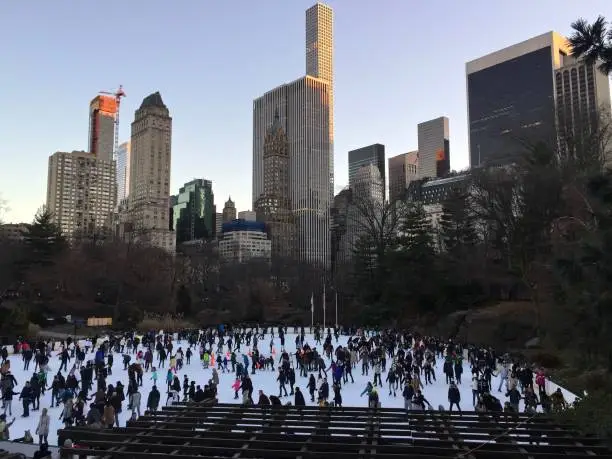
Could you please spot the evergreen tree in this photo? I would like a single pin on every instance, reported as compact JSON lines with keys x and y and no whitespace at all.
{"x":42,"y":239}
{"x":457,"y":225}
{"x":416,"y":233}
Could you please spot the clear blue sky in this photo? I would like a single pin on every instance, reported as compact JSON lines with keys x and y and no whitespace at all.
{"x":397,"y":63}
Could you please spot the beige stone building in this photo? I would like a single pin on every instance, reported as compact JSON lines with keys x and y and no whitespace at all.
{"x":150,"y":161}
{"x":274,"y":205}
{"x":81,"y":192}
{"x":403,"y":169}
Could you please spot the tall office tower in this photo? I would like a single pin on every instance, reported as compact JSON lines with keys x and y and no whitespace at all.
{"x":81,"y":192}
{"x":123,"y":171}
{"x":229,"y":211}
{"x":511,"y":99}
{"x":305,"y":108}
{"x":274,"y":205}
{"x":402,"y":171}
{"x":102,"y":115}
{"x":373,"y":154}
{"x":367,"y":199}
{"x":583,"y":103}
{"x":194,"y":211}
{"x":218,"y":223}
{"x":434,"y":153}
{"x":150,"y":174}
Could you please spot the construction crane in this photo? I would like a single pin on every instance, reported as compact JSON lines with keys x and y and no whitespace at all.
{"x":118,"y":94}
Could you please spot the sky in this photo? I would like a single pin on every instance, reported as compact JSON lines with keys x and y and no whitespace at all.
{"x":396,"y":63}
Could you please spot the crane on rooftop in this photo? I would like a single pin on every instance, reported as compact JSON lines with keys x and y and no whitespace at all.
{"x":118,"y":94}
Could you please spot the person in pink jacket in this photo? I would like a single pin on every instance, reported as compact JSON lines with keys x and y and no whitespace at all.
{"x":540,"y":379}
{"x":236,"y":387}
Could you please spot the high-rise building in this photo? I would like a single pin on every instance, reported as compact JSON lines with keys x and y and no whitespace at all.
{"x":367,"y":200}
{"x":123,"y":171}
{"x":373,"y":154}
{"x":511,"y":99}
{"x":151,"y":154}
{"x":434,"y":149}
{"x":81,"y":193}
{"x":274,"y":205}
{"x":194,"y":211}
{"x":102,"y":115}
{"x":229,"y":211}
{"x":402,"y":171}
{"x":218,"y":223}
{"x":583,"y":103}
{"x":305,"y":110}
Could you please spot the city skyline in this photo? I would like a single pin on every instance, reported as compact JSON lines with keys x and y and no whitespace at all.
{"x":221,"y":151}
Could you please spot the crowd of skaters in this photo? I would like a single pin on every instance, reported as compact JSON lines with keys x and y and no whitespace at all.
{"x":409,"y":363}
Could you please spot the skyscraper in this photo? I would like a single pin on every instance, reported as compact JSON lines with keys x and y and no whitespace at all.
{"x":305,"y":109}
{"x":583,"y":102}
{"x":402,"y":170}
{"x":434,"y":153}
{"x":102,"y":114}
{"x":81,"y":193}
{"x":151,"y":147}
{"x":229,"y":211}
{"x":123,"y":171}
{"x":511,"y":98}
{"x":194,"y":211}
{"x":373,"y":154}
{"x":274,"y":205}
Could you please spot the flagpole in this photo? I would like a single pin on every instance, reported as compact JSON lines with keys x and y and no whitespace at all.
{"x":311,"y":312}
{"x":324,"y":308}
{"x":336,"y":309}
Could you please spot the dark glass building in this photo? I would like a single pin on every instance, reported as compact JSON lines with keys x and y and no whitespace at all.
{"x":373,"y":154}
{"x":511,"y":99}
{"x":194,"y":211}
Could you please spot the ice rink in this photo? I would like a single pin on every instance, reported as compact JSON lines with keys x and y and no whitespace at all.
{"x":436,"y":393}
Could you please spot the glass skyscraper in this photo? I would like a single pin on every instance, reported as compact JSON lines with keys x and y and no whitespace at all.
{"x":511,"y":99}
{"x":194,"y":211}
{"x":372,"y":154}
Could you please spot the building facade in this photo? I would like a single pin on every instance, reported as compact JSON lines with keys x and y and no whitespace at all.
{"x":273,"y":206}
{"x":511,"y":99}
{"x":12,"y":231}
{"x":194,"y":211}
{"x":372,"y":154}
{"x":305,"y":112}
{"x":402,"y":171}
{"x":123,"y":171}
{"x":583,"y":103}
{"x":248,"y":215}
{"x":229,"y":211}
{"x":81,"y":193}
{"x":102,"y":116}
{"x":366,"y":206}
{"x":434,"y":148}
{"x":243,"y":241}
{"x":218,"y":223}
{"x":151,"y":155}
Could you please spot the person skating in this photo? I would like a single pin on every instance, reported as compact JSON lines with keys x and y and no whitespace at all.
{"x":454,"y":396}
{"x":299,"y":398}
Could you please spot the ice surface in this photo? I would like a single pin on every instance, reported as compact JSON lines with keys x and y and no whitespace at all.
{"x":436,"y":394}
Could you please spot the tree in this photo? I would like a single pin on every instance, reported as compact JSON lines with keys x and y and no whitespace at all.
{"x":458,"y":233}
{"x":593,"y":42}
{"x":42,"y":239}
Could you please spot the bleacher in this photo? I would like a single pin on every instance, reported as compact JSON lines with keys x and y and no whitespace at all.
{"x":190,"y":431}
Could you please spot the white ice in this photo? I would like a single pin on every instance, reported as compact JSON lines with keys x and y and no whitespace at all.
{"x":436,"y":394}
